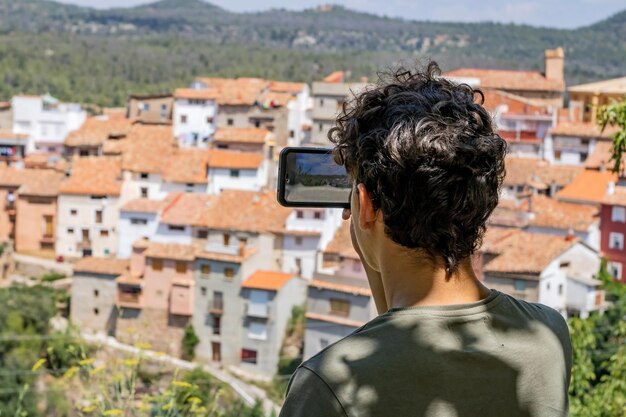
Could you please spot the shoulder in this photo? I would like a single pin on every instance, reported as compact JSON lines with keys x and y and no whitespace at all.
{"x":538,"y":312}
{"x":308,"y":395}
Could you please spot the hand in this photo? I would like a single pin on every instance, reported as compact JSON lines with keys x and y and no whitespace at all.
{"x":374,"y":277}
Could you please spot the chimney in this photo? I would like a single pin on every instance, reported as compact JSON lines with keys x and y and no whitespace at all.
{"x":554,"y":63}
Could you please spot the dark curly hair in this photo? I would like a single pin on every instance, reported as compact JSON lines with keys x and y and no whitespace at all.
{"x":427,"y":151}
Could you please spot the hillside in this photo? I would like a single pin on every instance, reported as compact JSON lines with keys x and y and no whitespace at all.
{"x":102,"y":55}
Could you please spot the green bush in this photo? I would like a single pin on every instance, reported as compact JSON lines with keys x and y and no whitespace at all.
{"x":189,"y":343}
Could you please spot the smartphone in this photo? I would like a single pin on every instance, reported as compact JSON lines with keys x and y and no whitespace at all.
{"x":310,"y":177}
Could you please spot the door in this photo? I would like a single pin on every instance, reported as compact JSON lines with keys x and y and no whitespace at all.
{"x":217,"y":351}
{"x":49,"y":227}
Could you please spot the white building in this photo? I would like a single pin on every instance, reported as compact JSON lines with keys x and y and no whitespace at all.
{"x":236,"y":171}
{"x":195,"y":116}
{"x":88,"y":208}
{"x":46,"y":121}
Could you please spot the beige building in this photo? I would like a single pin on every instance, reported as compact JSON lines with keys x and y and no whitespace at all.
{"x":150,"y":108}
{"x":544,"y":88}
{"x":89,"y":201}
{"x":588,"y":97}
{"x":90,"y":138}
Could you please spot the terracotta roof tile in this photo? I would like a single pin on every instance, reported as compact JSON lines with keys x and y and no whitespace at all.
{"x":108,"y":266}
{"x":214,"y":256}
{"x":273,"y":99}
{"x":551,"y":213}
{"x":618,"y":197}
{"x":245,"y":211}
{"x":235,"y":91}
{"x":175,"y":251}
{"x":500,"y":100}
{"x":335,"y":77}
{"x":341,"y":244}
{"x":583,"y":130}
{"x":612,"y":86}
{"x":196,"y":94}
{"x":147,"y":148}
{"x":187,"y":166}
{"x":96,"y":130}
{"x":493,"y":238}
{"x":186,"y":209}
{"x":42,"y":182}
{"x":267,"y":280}
{"x":520,"y":171}
{"x":600,"y":157}
{"x":286,"y":87}
{"x":219,"y":158}
{"x":590,"y":187}
{"x":527,"y":253}
{"x":143,"y":205}
{"x":94,"y":175}
{"x":340,"y":287}
{"x":242,"y":135}
{"x":509,"y":79}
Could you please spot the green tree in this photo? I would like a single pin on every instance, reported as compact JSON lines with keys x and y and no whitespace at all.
{"x":614,"y":114}
{"x":189,"y":343}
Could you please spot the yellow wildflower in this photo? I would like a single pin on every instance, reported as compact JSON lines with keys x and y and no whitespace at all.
{"x":71,"y":372}
{"x":38,"y":364}
{"x":131,"y":362}
{"x":97,"y":370}
{"x":181,"y":384}
{"x":87,"y":361}
{"x":143,"y":345}
{"x":114,"y":412}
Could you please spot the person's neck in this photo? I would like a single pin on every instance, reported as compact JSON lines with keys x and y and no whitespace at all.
{"x":411,"y":280}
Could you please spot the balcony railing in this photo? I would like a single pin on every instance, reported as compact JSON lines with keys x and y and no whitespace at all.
{"x":223,"y":249}
{"x":216,"y":306}
{"x":128,"y":299}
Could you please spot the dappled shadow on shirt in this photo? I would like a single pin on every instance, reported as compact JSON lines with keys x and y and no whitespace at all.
{"x":408,"y":364}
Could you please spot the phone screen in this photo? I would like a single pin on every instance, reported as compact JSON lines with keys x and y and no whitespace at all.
{"x":310,"y":177}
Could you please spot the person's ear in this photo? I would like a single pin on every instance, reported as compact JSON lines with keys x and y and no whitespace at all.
{"x":367,"y":212}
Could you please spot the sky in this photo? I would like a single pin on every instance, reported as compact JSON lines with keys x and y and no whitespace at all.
{"x":550,"y":13}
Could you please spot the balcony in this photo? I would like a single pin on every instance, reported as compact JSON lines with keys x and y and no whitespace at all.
{"x":216,"y":307}
{"x":128,"y":299}
{"x":257,"y":310}
{"x":84,"y":244}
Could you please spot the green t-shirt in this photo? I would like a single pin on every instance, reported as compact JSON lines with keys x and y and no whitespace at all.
{"x":497,"y":357}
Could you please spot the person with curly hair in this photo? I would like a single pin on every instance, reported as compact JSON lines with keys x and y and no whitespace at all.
{"x":427,"y":165}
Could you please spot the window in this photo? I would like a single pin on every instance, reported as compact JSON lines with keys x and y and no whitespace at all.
{"x":557,"y":155}
{"x":96,"y":311}
{"x":618,"y":214}
{"x":163,"y":107}
{"x":339,"y":307}
{"x":229,"y":122}
{"x":203,"y":290}
{"x":616,"y":240}
{"x":257,"y":123}
{"x":98,"y":216}
{"x":144,"y":192}
{"x":321,"y":127}
{"x":73,"y":212}
{"x":146,"y":106}
{"x":143,"y":175}
{"x":138,"y":221}
{"x":229,"y":273}
{"x":317,"y":215}
{"x":321,"y":101}
{"x":243,"y":240}
{"x":157,"y":264}
{"x":234,"y":173}
{"x":299,"y":214}
{"x":203,"y":234}
{"x":298,"y":266}
{"x":70,"y":231}
{"x":104,"y":233}
{"x":615,"y":269}
{"x":226,"y":238}
{"x":183,"y":119}
{"x":205,"y":269}
{"x":96,"y":293}
{"x":560,"y":289}
{"x":176,"y":228}
{"x":292,"y":133}
{"x":257,"y":330}
{"x":181,"y":267}
{"x":519,"y":285}
{"x":217,"y":324}
{"x":209,"y":120}
{"x":248,"y":356}
{"x":298,"y":240}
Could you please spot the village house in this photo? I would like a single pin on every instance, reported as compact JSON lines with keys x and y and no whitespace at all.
{"x":328,"y":98}
{"x":88,"y":208}
{"x":245,"y":139}
{"x":90,"y":138}
{"x":234,"y":170}
{"x":587,"y":98}
{"x":194,"y":116}
{"x":546,"y":89}
{"x":557,"y":271}
{"x":150,"y":108}
{"x":46,"y":121}
{"x":523,"y":124}
{"x":572,"y":143}
{"x":268,"y":299}
{"x":339,"y":298}
{"x":93,"y":293}
{"x":588,"y":187}
{"x":613,"y":229}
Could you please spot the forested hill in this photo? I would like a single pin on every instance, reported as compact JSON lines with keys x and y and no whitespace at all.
{"x":101,"y":56}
